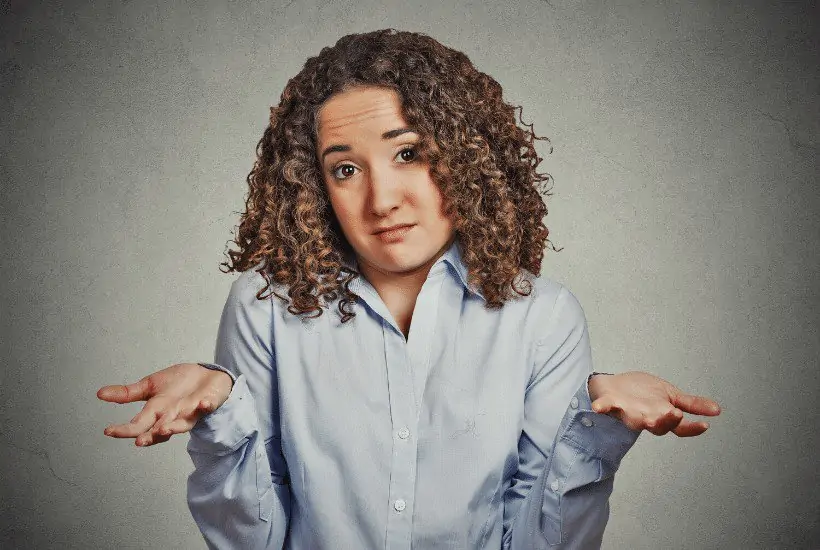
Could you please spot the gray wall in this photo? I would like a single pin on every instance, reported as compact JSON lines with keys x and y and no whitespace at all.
{"x":686,"y":200}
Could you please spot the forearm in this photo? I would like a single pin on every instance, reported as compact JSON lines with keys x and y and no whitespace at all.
{"x":567,"y":506}
{"x":234,"y":499}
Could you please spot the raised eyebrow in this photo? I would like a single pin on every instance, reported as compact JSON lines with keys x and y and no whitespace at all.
{"x":390,"y":134}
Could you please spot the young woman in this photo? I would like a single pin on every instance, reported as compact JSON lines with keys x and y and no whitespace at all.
{"x":451,"y":402}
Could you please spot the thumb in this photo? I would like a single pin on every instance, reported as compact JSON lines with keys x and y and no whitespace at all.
{"x":603,"y":404}
{"x":118,"y":393}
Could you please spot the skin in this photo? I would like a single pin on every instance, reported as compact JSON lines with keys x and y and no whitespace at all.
{"x":374,"y":183}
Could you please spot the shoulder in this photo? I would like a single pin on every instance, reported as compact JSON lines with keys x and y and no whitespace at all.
{"x":245,"y":289}
{"x":554,"y":308}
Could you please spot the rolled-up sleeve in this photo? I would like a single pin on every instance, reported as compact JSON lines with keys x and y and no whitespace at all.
{"x":568,"y":454}
{"x":238,"y":493}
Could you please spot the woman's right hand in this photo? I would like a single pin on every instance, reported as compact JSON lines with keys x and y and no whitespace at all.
{"x":177,"y":397}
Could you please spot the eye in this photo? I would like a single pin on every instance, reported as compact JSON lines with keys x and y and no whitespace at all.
{"x":347,"y":170}
{"x":347,"y":173}
{"x":413,"y":154}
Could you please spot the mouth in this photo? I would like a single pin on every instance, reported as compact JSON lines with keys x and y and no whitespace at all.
{"x":394,"y":228}
{"x":394,"y":234}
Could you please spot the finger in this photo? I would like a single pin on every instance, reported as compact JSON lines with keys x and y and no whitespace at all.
{"x":118,"y":393}
{"x":696,"y":404}
{"x":162,"y":430}
{"x":148,"y":439}
{"x":688,"y":428}
{"x":185,"y":420}
{"x":664,"y":423}
{"x":158,"y":428}
{"x":177,"y":426}
{"x":204,"y":406}
{"x":603,"y":404}
{"x":139,"y":424}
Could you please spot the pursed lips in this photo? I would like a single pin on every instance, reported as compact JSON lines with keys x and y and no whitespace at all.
{"x":391,"y":228}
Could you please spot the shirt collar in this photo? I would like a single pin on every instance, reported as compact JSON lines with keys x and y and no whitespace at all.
{"x":451,"y":257}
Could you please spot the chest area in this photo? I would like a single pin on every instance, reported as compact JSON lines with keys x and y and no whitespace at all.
{"x":461,"y":383}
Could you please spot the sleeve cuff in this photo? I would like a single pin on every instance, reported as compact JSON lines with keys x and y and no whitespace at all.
{"x":225,"y":429}
{"x":600,"y":435}
{"x":214,"y":366}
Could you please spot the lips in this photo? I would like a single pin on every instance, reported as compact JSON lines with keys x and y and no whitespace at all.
{"x":392,"y":227}
{"x":394,"y":236}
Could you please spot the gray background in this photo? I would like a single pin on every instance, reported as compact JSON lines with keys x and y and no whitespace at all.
{"x":686,"y":200}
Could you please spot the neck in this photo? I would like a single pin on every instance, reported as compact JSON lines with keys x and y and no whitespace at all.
{"x":408,"y":283}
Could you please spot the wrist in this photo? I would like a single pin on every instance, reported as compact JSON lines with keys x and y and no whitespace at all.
{"x":597,"y":383}
{"x":220,"y":368}
{"x":225,"y":375}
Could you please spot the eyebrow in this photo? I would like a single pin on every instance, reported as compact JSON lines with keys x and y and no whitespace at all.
{"x":390,"y":134}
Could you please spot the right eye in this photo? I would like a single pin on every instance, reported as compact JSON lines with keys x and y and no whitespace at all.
{"x":347,"y":173}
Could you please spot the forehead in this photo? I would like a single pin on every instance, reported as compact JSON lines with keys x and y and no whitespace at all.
{"x":359,"y":109}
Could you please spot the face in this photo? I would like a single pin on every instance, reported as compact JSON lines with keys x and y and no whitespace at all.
{"x":376,"y":179}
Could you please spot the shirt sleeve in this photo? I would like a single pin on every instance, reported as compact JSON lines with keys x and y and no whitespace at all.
{"x":568,"y":454}
{"x":214,"y":366}
{"x":239,"y":492}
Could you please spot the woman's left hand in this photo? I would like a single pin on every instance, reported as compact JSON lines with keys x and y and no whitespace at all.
{"x":645,"y":402}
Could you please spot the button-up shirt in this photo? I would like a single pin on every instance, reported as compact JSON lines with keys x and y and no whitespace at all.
{"x":475,"y":431}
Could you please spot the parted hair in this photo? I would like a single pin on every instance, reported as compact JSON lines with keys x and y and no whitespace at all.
{"x":481,"y":159}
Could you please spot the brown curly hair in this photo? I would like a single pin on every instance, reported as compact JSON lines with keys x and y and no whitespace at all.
{"x":482,"y":161}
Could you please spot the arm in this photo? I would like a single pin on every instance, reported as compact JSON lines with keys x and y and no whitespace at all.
{"x":238,"y":493}
{"x":568,"y":455}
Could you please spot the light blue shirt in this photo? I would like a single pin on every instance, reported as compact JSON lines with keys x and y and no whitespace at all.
{"x":475,"y":432}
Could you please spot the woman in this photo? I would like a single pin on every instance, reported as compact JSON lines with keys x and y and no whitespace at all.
{"x":451,"y":402}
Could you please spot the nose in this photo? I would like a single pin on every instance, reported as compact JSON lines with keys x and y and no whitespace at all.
{"x":386,"y":192}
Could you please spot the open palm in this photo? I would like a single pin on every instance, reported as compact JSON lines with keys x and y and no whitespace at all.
{"x":176,"y":398}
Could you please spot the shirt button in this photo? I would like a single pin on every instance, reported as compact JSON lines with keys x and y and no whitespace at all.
{"x":586,"y":421}
{"x":399,"y":505}
{"x":555,"y":485}
{"x":573,"y":403}
{"x":403,"y":433}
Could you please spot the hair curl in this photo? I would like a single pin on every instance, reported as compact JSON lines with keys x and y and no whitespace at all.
{"x":483,"y":162}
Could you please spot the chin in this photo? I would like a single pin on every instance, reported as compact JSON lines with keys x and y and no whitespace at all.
{"x":399,"y":262}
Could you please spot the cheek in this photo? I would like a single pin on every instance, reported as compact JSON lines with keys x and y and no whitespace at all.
{"x":349,"y":219}
{"x":435,"y":204}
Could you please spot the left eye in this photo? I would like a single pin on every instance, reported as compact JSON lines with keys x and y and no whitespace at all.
{"x":404,"y":152}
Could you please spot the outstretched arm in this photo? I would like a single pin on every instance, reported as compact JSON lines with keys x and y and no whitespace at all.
{"x":559,"y":497}
{"x":239,"y":492}
{"x":568,"y":454}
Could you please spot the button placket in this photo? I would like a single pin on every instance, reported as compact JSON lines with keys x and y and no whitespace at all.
{"x":405,"y":452}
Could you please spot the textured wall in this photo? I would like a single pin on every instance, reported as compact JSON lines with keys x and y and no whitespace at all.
{"x":686,"y":200}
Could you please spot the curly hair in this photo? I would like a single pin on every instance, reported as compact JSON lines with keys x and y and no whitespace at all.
{"x":483,"y":162}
